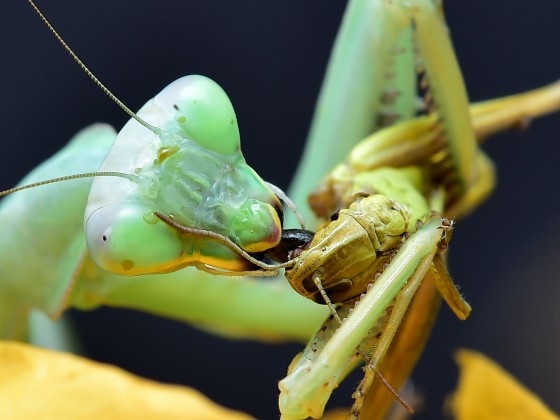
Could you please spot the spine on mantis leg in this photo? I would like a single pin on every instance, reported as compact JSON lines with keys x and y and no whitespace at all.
{"x":370,"y":76}
{"x":450,"y":95}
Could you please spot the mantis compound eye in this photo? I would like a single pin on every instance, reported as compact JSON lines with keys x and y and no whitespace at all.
{"x":201,"y":111}
{"x":121,"y":238}
{"x":256,"y":227}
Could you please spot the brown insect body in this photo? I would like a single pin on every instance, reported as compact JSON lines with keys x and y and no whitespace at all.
{"x":349,"y":251}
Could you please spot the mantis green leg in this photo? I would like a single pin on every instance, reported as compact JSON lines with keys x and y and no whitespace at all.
{"x":372,"y":56}
{"x":449,"y":92}
{"x":33,"y":230}
{"x":266,"y":309}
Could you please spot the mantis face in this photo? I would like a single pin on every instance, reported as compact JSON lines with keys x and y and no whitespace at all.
{"x":193,"y":173}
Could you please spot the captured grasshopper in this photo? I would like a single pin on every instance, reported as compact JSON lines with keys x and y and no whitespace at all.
{"x":288,"y":136}
{"x":375,"y":197}
{"x":349,"y":254}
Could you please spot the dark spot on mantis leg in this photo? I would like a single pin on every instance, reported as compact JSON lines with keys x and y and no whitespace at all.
{"x":175,"y":107}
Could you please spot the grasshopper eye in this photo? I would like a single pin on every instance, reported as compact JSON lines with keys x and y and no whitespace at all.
{"x":201,"y":111}
{"x":121,"y":238}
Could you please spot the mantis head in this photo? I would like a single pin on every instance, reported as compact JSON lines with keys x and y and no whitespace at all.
{"x":191,"y":170}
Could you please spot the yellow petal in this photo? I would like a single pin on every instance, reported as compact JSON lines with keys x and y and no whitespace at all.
{"x":43,"y":384}
{"x":487,"y":391}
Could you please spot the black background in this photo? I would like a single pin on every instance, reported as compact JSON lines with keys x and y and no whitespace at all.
{"x":269,"y":57}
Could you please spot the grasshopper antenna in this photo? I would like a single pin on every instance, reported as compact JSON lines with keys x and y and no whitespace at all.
{"x":157,"y":131}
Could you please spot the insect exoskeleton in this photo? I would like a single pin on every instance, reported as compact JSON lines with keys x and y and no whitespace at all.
{"x":194,"y":173}
{"x":348,"y":251}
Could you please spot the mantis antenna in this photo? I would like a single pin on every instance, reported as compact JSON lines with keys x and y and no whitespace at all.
{"x":157,"y":131}
{"x":130,"y":177}
{"x":201,"y":135}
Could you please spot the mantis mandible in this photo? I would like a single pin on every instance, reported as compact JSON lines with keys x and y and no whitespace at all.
{"x":282,"y":115}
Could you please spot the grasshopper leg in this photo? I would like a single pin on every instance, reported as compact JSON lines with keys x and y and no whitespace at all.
{"x":440,"y":277}
{"x":402,"y":302}
{"x":406,"y":348}
{"x":305,"y":390}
